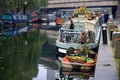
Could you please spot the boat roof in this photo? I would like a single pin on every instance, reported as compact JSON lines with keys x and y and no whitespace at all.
{"x":82,"y":20}
{"x":10,"y":16}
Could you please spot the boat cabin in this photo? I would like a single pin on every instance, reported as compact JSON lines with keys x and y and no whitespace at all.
{"x":85,"y":32}
{"x":14,"y":20}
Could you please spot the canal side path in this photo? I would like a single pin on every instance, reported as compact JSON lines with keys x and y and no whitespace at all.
{"x":105,"y":66}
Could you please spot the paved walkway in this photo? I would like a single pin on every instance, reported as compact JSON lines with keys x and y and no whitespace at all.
{"x":105,"y":67}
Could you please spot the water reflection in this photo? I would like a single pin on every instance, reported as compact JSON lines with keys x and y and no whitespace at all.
{"x":74,"y":74}
{"x":34,"y":27}
{"x":19,"y":55}
{"x":47,"y":63}
{"x":45,"y":73}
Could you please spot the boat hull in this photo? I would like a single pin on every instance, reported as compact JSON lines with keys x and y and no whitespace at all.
{"x":62,"y":52}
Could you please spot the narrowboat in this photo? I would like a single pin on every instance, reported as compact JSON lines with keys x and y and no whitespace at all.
{"x":86,"y":30}
{"x":34,"y":18}
{"x":44,"y":18}
{"x":14,"y":20}
{"x":59,"y":21}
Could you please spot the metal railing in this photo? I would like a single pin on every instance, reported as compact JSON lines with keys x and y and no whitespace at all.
{"x":75,"y":1}
{"x":70,"y":36}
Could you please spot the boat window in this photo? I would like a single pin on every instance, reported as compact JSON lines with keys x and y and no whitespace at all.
{"x":110,"y":16}
{"x":19,"y":17}
{"x":24,"y":17}
{"x":6,"y":17}
{"x":89,"y":26}
{"x":14,"y":17}
{"x":65,"y":25}
{"x":79,"y":26}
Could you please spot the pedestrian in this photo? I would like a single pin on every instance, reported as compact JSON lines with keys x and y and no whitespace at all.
{"x":71,"y":23}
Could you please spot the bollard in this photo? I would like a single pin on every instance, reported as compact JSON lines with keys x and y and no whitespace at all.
{"x":117,"y":48}
{"x":115,"y":35}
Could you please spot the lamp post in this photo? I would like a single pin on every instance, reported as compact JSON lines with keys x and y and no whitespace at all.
{"x":24,"y":7}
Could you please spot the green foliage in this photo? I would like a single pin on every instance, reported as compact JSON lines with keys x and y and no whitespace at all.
{"x":36,"y":4}
{"x":70,"y":51}
{"x":12,"y":5}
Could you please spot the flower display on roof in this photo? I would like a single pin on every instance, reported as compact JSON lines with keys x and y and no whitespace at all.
{"x":82,"y":10}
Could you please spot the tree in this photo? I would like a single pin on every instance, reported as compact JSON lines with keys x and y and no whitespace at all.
{"x":37,"y":4}
{"x":13,"y":5}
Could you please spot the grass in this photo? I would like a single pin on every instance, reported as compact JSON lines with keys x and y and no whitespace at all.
{"x":117,"y":62}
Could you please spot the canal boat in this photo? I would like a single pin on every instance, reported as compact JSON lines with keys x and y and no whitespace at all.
{"x":59,"y":21}
{"x":86,"y":31}
{"x":12,"y":23}
{"x":44,"y":18}
{"x":34,"y":18}
{"x":14,"y":20}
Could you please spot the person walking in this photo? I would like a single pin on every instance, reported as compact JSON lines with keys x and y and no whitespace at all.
{"x":71,"y":23}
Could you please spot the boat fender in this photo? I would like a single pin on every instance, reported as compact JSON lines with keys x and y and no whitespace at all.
{"x":70,"y":51}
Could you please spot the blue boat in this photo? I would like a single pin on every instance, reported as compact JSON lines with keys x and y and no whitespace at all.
{"x":14,"y":20}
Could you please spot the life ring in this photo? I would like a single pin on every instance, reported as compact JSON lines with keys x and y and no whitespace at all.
{"x":70,"y":50}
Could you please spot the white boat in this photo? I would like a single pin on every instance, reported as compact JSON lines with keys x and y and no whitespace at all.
{"x":74,"y":38}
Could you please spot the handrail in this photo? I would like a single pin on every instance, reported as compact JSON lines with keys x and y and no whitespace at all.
{"x":75,"y":1}
{"x":64,"y":29}
{"x":72,"y":32}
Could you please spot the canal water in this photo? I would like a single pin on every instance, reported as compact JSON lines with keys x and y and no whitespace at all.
{"x":29,"y":53}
